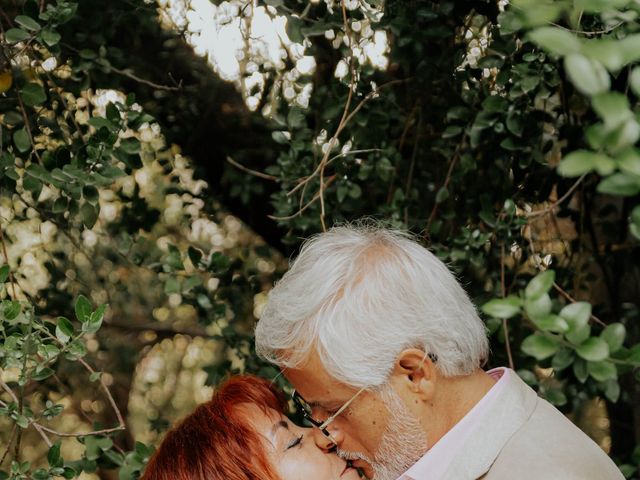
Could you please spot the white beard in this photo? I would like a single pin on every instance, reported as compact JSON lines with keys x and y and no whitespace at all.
{"x":403,"y":441}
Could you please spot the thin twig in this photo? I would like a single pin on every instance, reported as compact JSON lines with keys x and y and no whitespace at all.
{"x":368,"y":97}
{"x":403,"y":136}
{"x":121,"y":422}
{"x":130,"y":75}
{"x":452,"y":164}
{"x":255,"y":173}
{"x":551,"y":207}
{"x":352,"y":86}
{"x":307,"y":205}
{"x":6,"y":259}
{"x":414,"y":155}
{"x":37,"y":426}
{"x":503,"y":293}
{"x":13,"y":435}
{"x":573,"y":300}
{"x":582,"y":32}
{"x":27,"y":126}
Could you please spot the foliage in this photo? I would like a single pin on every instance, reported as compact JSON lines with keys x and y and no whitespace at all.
{"x":506,"y":138}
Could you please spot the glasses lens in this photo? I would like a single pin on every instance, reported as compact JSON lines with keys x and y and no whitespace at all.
{"x":301,"y":403}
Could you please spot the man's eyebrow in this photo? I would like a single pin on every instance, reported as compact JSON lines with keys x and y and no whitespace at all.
{"x":324,"y":405}
{"x":277,"y":425}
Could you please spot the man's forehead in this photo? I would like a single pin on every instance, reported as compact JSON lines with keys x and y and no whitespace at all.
{"x":313,"y":381}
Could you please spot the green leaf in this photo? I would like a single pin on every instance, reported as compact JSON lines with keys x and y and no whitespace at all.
{"x":602,"y":371}
{"x":598,"y":6}
{"x":623,"y":136}
{"x":502,"y":307}
{"x":556,"y":397}
{"x":612,"y":107}
{"x":191,"y":282}
{"x":612,"y":392}
{"x":280,"y":137}
{"x":11,"y":309}
{"x":580,"y":370}
{"x":32,"y":185}
{"x":27,"y":22}
{"x":33,"y":94}
{"x":95,"y":320}
{"x":539,"y":346}
{"x":60,"y":205}
{"x":614,"y":335}
{"x":89,"y":214}
{"x":562,"y":359}
{"x":21,"y":140}
{"x":605,"y":51}
{"x":620,"y":185}
{"x":22,"y":421}
{"x":634,"y":81}
{"x":130,"y":145}
{"x":551,"y":323}
{"x":588,"y":76}
{"x":630,"y":48}
{"x":171,"y":285}
{"x":50,"y":37}
{"x":555,"y":40}
{"x":578,"y":335}
{"x":42,"y":374}
{"x":64,"y":329}
{"x":528,"y":376}
{"x":40,"y":173}
{"x":452,"y":131}
{"x":576,"y":314}
{"x":4,"y":273}
{"x":538,"y":306}
{"x":442,"y":195}
{"x":83,"y":309}
{"x":91,"y":194}
{"x":99,"y":122}
{"x":634,"y":222}
{"x":540,"y":284}
{"x":295,"y":118}
{"x":629,"y":161}
{"x":593,"y":349}
{"x":53,"y":457}
{"x":580,"y":162}
{"x":14,"y":35}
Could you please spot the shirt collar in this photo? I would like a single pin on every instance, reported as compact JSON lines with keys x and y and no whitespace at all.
{"x":472,"y":445}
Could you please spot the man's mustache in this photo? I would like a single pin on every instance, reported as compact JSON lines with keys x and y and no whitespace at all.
{"x":346,"y":455}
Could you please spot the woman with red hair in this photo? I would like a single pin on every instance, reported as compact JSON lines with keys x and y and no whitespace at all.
{"x":242,"y":434}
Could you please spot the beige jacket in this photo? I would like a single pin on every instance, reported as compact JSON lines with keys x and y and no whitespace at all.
{"x":524,"y":437}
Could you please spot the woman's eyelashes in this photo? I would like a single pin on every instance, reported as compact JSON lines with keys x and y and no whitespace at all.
{"x":295,"y":442}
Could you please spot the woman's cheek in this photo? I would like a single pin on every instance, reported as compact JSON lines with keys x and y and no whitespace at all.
{"x":304,"y":467}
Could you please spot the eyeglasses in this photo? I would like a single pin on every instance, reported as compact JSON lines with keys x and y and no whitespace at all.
{"x":307,"y":413}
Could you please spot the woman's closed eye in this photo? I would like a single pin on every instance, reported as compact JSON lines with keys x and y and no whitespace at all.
{"x":295,"y":442}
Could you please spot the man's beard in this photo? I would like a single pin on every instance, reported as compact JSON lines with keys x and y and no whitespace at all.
{"x":403,"y":441}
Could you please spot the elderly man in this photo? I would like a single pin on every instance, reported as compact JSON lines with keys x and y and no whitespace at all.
{"x":385,"y":351}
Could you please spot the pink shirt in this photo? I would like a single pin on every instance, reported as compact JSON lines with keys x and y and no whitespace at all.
{"x":434,"y":464}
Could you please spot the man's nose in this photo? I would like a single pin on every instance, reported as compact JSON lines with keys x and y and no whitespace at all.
{"x":325,"y":443}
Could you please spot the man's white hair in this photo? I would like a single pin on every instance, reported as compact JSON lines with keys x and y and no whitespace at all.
{"x":359,"y":295}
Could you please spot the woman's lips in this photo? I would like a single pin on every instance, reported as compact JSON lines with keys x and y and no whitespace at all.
{"x":347,"y":468}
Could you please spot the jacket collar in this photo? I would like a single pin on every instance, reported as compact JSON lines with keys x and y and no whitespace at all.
{"x":504,"y":417}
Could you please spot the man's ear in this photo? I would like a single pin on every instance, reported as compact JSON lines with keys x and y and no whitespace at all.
{"x":415,"y":373}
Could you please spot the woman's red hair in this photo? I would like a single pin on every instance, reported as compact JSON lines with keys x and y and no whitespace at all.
{"x":216,"y":442}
